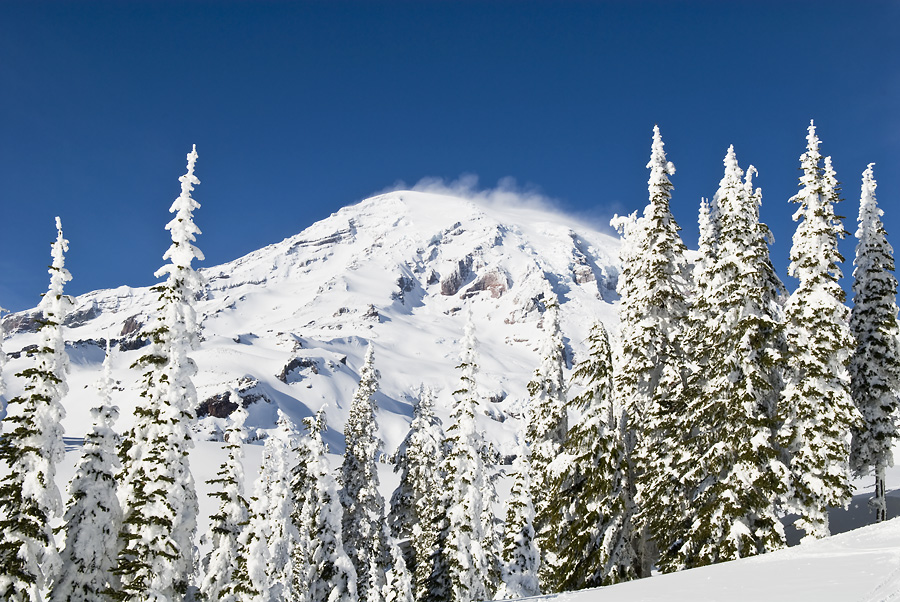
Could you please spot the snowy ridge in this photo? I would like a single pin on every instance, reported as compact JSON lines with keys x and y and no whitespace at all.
{"x":394,"y":270}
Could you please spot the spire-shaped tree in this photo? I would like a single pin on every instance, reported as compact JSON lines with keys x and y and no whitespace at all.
{"x":234,"y":511}
{"x":363,"y":505}
{"x":280,"y":529}
{"x":707,"y":247}
{"x":875,"y":363}
{"x":158,"y":555}
{"x":654,"y":289}
{"x":592,"y":507}
{"x":322,"y":568}
{"x":93,"y":517}
{"x":264,"y":572}
{"x":468,"y":568}
{"x":547,"y":420}
{"x":31,"y":447}
{"x":817,"y":410}
{"x":521,"y":561}
{"x":732,"y":468}
{"x":414,"y":506}
{"x":398,"y":581}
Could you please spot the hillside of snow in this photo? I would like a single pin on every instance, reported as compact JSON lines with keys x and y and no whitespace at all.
{"x":288,"y":325}
{"x":859,"y":566}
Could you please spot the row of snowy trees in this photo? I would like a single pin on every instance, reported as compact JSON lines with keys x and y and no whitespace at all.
{"x":131,"y":519}
{"x":745,"y":402}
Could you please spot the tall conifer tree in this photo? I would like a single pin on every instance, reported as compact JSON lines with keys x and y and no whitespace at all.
{"x":230,"y":520}
{"x":322,"y":568}
{"x":732,"y":468}
{"x":817,"y":411}
{"x":31,"y":447}
{"x":592,"y":507}
{"x":521,"y":559}
{"x":414,"y":505}
{"x":654,"y":288}
{"x":468,"y":568}
{"x":158,"y":554}
{"x":93,"y":517}
{"x":264,"y":571}
{"x":363,"y":524}
{"x":875,"y":363}
{"x":547,"y":422}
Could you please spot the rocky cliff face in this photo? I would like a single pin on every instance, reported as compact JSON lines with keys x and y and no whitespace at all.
{"x":287,"y":326}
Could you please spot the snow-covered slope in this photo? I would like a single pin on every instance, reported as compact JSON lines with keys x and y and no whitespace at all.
{"x":288,"y":324}
{"x":859,"y":566}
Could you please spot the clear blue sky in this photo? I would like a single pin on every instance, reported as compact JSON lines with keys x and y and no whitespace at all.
{"x":299,"y":108}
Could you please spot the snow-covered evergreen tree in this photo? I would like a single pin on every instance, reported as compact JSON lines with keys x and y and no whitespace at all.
{"x":547,"y":421}
{"x":93,"y":517}
{"x":31,"y":447}
{"x":280,"y":530}
{"x":651,"y":374}
{"x":817,"y":411}
{"x":491,"y":524}
{"x":707,"y":246}
{"x":159,"y":500}
{"x":467,"y":566}
{"x":363,"y":505}
{"x":414,"y":504}
{"x":731,"y":464}
{"x":875,"y":363}
{"x":232,"y":516}
{"x":322,"y":570}
{"x":264,"y":569}
{"x":521,"y":560}
{"x":592,"y":508}
{"x":398,"y":581}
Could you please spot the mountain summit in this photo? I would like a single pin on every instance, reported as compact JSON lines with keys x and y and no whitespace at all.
{"x":287,"y":326}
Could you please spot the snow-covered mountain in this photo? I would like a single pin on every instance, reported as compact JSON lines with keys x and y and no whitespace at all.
{"x":288,"y":325}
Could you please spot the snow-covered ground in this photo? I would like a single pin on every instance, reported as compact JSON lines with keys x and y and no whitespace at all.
{"x":859,"y":566}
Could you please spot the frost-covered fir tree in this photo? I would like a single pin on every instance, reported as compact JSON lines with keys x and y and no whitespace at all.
{"x":592,"y":507}
{"x":276,"y":512}
{"x":547,"y":422}
{"x":707,"y":247}
{"x":521,"y":560}
{"x":232,"y":517}
{"x":363,"y":505}
{"x":93,"y":517}
{"x":398,"y":581}
{"x":159,"y":500}
{"x":654,"y":288}
{"x":731,"y":465}
{"x":875,"y":363}
{"x":491,"y":524}
{"x":263,"y":570}
{"x":817,"y":411}
{"x":322,"y":570}
{"x":414,"y":504}
{"x":468,"y":568}
{"x":31,"y":447}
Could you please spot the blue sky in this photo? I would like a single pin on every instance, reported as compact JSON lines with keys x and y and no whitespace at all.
{"x":299,"y":108}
